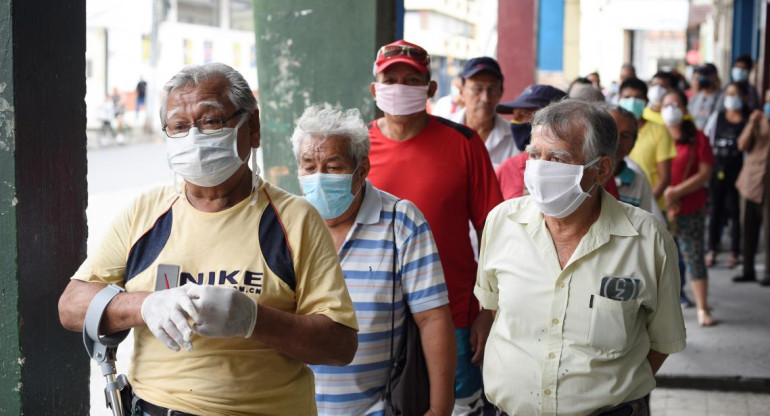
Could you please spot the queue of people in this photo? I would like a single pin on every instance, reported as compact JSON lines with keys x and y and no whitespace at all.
{"x":248,"y":300}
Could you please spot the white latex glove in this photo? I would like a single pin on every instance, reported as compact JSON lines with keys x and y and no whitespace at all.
{"x":165,"y":312}
{"x":223,"y":312}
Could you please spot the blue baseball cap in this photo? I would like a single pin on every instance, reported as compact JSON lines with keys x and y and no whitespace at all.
{"x":534,"y":96}
{"x":484,"y":63}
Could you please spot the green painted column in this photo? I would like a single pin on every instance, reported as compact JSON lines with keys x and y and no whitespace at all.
{"x":43,"y":368}
{"x":308,"y":54}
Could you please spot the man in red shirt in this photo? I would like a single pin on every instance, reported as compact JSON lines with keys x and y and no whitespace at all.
{"x":444,"y":168}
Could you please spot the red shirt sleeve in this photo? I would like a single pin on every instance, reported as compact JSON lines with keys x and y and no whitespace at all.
{"x":484,"y":188}
{"x":510,"y":174}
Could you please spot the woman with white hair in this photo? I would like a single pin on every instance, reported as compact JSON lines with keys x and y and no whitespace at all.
{"x":389,"y":260}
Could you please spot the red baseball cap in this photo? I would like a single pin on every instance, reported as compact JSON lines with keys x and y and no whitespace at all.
{"x":402,"y":51}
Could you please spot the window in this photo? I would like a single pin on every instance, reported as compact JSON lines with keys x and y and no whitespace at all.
{"x":199,"y":12}
{"x":241,"y":15}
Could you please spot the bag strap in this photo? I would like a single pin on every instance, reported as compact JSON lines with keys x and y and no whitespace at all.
{"x":393,"y":302}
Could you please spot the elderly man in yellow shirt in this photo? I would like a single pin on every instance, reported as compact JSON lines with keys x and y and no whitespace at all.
{"x":587,"y":309}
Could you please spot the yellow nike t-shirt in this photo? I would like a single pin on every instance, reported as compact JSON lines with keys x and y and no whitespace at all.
{"x":278,"y":251}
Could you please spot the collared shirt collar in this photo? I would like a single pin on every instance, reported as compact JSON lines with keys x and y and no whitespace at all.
{"x":612,"y":219}
{"x":369,"y":212}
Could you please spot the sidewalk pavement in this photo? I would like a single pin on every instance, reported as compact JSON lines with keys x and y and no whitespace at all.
{"x":725,"y":369}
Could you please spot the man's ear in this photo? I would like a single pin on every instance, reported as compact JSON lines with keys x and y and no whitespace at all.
{"x":372,"y":90}
{"x":432,"y":87}
{"x":254,"y":125}
{"x":605,"y":168}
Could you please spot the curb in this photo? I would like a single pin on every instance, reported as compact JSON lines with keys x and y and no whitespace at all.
{"x":735,"y":384}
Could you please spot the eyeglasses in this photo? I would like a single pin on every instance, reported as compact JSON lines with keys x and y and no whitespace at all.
{"x":177,"y":130}
{"x":491,"y":91}
{"x":417,"y":54}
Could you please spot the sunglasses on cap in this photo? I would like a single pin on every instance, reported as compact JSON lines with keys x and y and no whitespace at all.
{"x":419,"y":55}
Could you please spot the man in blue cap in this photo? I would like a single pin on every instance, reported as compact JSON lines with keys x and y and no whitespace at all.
{"x":482,"y":87}
{"x":510,"y":173}
{"x":533,"y":98}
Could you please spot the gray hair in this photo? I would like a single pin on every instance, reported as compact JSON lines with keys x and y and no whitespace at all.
{"x":570,"y":117}
{"x":238,"y":92}
{"x":614,"y":108}
{"x":324,"y":121}
{"x":587,"y":93}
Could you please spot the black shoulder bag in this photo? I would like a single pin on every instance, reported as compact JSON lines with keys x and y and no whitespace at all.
{"x":408,"y":388}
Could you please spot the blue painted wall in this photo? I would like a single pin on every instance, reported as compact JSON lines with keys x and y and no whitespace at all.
{"x":745,"y":28}
{"x":550,"y":37}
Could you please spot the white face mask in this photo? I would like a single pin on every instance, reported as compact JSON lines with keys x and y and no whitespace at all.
{"x":733,"y":102}
{"x":655,"y":94}
{"x":555,"y":187}
{"x":399,"y":99}
{"x":672,"y":116}
{"x":205,"y":159}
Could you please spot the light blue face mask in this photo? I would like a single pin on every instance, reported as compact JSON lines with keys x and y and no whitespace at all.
{"x":328,"y":193}
{"x":767,"y":110}
{"x":739,"y":74}
{"x":634,"y":105}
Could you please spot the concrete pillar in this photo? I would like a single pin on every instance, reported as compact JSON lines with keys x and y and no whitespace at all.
{"x":307,"y":54}
{"x":43,"y":368}
{"x":516,"y":38}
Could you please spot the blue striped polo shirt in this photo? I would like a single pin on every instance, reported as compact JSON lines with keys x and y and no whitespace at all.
{"x":366,"y":257}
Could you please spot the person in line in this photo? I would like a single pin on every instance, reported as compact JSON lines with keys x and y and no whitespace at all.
{"x":587,"y":309}
{"x":632,"y":184}
{"x":451,"y":103}
{"x":481,"y":89}
{"x":369,"y":227}
{"x":660,"y":83}
{"x":240,"y":274}
{"x":449,"y":178}
{"x":740,"y":74}
{"x":595,"y":80}
{"x":723,"y":129}
{"x":510,"y":173}
{"x":686,"y":195}
{"x":654,"y":148}
{"x":704,"y":102}
{"x":753,"y":183}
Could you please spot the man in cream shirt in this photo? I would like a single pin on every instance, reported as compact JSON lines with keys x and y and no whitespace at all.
{"x":585,"y":289}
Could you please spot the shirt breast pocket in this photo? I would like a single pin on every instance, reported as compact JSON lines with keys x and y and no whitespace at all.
{"x":612,"y":324}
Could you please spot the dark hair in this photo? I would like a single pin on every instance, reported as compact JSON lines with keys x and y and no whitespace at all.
{"x":746,"y":60}
{"x":579,"y":81}
{"x":742,"y":89}
{"x":634,"y":84}
{"x":628,"y":65}
{"x":688,"y":127}
{"x":709,"y":69}
{"x":670,"y":78}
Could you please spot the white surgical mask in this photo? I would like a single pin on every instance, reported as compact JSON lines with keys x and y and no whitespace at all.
{"x":672,"y":115}
{"x":655,"y":94}
{"x":733,"y":102}
{"x":205,"y":159}
{"x":399,"y":99}
{"x":555,"y":187}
